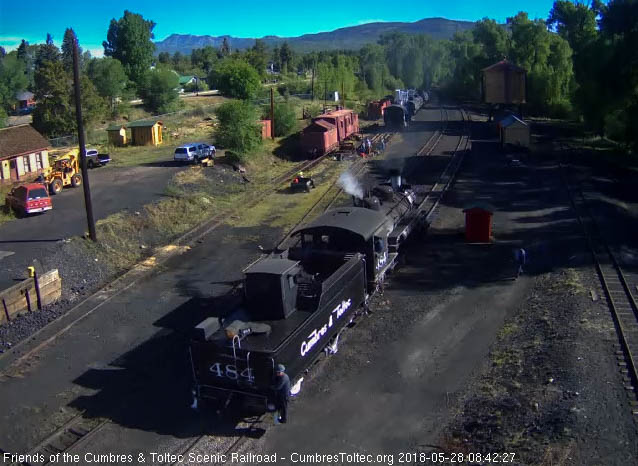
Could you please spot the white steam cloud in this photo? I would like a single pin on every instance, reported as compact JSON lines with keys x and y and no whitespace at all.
{"x":350,"y":185}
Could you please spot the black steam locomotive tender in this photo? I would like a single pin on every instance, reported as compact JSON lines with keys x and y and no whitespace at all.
{"x":295,"y":305}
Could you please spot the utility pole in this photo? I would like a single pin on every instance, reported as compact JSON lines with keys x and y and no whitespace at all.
{"x":272,"y":113}
{"x":78,"y":114}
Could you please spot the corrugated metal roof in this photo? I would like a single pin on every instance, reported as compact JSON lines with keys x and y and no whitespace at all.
{"x":358,"y":220}
{"x":23,"y":139}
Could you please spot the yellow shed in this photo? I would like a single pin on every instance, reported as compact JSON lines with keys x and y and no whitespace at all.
{"x":117,"y":135}
{"x":504,"y":83}
{"x":144,"y":133}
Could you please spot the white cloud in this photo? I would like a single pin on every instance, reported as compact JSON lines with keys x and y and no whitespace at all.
{"x":96,"y":52}
{"x":366,"y":21}
{"x":10,"y":43}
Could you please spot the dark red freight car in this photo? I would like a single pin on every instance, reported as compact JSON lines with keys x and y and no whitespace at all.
{"x":328,"y":130}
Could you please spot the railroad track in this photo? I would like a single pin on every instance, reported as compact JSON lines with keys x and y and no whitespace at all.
{"x":615,"y":283}
{"x":237,"y":442}
{"x":70,"y":435}
{"x":431,"y":143}
{"x":448,"y":175}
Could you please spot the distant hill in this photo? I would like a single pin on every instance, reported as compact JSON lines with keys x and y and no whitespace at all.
{"x":353,"y":37}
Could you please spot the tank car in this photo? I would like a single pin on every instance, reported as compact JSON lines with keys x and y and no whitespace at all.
{"x":297,"y":301}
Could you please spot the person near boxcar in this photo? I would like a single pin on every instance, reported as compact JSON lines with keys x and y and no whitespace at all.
{"x":281,"y":387}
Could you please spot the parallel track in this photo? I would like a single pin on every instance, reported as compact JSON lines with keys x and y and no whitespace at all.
{"x":80,"y":429}
{"x":621,"y":300}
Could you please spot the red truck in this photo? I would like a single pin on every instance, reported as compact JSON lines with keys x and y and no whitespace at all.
{"x":29,"y":199}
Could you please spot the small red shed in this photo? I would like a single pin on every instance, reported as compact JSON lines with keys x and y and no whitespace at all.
{"x":478,"y":223}
{"x":265,"y":129}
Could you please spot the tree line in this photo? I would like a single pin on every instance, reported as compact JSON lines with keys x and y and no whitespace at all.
{"x":580,"y":63}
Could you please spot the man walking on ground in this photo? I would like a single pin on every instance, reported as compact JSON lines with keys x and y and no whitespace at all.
{"x":520,"y":255}
{"x":281,"y":386}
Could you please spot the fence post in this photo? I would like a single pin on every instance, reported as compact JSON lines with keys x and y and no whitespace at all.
{"x":37,"y":290}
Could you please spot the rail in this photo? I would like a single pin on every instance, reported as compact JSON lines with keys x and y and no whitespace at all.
{"x":613,"y":280}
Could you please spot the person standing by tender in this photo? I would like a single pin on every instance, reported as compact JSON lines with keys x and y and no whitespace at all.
{"x":281,"y":387}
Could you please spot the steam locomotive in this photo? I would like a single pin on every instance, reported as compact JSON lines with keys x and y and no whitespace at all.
{"x":297,"y":301}
{"x":405,"y":105}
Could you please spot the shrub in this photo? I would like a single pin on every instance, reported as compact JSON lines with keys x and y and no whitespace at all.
{"x":236,"y":78}
{"x":238,"y":128}
{"x":285,"y":119}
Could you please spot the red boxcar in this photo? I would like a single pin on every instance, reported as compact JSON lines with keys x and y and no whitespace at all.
{"x":346,"y":122}
{"x":328,"y":130}
{"x":319,"y":138}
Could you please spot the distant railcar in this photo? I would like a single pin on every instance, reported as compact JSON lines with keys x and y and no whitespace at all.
{"x":328,"y":130}
{"x":414,"y":105}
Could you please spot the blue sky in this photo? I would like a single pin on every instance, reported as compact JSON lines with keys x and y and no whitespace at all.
{"x":90,"y":19}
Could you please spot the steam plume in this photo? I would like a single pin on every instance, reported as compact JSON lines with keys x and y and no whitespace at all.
{"x":350,"y":185}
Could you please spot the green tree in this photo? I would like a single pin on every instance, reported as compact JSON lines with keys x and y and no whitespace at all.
{"x":53,"y":114}
{"x":3,"y":118}
{"x":47,"y":52}
{"x":205,"y":58}
{"x":3,"y":53}
{"x":493,"y":40}
{"x":12,"y":79}
{"x":285,"y":57}
{"x":238,"y":128}
{"x":109,"y":78}
{"x":164,"y":58}
{"x":159,"y":91}
{"x":129,"y":39}
{"x":285,"y":119}
{"x":225,"y":48}
{"x":67,"y":50}
{"x":236,"y":78}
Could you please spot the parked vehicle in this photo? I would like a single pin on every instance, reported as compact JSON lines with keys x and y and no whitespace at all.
{"x":94,"y":159}
{"x":29,"y":199}
{"x":193,"y":152}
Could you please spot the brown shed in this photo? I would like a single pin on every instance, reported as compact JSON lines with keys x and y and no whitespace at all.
{"x":504,"y":83}
{"x":144,"y":133}
{"x":478,"y":223}
{"x":117,"y":135}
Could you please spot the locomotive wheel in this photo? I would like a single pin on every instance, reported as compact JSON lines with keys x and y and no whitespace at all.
{"x":76,"y":180}
{"x":56,"y":186}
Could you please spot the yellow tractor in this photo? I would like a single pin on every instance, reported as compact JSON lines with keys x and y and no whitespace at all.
{"x":64,"y":171}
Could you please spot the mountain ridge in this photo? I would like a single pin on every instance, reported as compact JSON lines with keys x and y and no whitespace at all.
{"x":345,"y":38}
